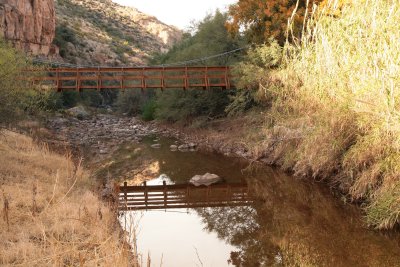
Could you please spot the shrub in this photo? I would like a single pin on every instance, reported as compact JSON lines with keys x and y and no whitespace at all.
{"x":253,"y":81}
{"x":148,"y":110}
{"x":17,"y":97}
{"x":133,"y":101}
{"x":178,"y":105}
{"x":64,"y":35}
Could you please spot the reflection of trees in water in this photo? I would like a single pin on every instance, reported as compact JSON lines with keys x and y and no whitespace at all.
{"x":298,"y":224}
{"x":239,"y":227}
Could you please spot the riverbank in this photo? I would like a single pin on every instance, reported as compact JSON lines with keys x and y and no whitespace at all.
{"x":249,"y":136}
{"x":51,"y":215}
{"x":299,"y":219}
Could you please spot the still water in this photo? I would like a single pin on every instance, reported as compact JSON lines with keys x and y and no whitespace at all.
{"x":292,"y":222}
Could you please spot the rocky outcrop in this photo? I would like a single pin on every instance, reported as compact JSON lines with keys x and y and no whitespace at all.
{"x":30,"y":25}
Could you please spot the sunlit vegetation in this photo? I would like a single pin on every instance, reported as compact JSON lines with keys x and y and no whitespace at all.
{"x":262,"y":20}
{"x":328,"y":90}
{"x":49,"y":216}
{"x":334,"y":101}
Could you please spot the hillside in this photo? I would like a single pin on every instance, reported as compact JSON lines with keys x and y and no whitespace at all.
{"x":101,"y":32}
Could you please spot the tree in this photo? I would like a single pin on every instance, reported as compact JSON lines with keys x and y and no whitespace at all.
{"x":263,"y":19}
{"x":210,"y":37}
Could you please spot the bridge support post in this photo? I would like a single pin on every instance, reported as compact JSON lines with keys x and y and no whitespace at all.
{"x":125,"y":194}
{"x":165,"y":193}
{"x":146,"y":194}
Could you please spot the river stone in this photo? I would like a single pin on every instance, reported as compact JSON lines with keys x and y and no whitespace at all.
{"x":156,"y":145}
{"x":205,"y":179}
{"x":103,"y":151}
{"x":173,"y":147}
{"x":183,"y":147}
{"x":192,"y":145}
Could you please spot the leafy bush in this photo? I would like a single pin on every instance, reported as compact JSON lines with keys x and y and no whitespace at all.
{"x":148,"y":110}
{"x":253,"y":81}
{"x":133,"y":101}
{"x":17,"y":96}
{"x":64,"y":35}
{"x":10,"y":86}
{"x":35,"y":101}
{"x":184,"y":106}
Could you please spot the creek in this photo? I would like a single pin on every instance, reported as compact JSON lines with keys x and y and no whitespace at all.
{"x":291,"y":222}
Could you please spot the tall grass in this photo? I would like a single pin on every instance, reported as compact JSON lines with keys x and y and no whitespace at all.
{"x":49,"y":215}
{"x":340,"y":95}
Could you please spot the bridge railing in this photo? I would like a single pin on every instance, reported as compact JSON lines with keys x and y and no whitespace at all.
{"x":130,"y":78}
{"x":182,"y":196}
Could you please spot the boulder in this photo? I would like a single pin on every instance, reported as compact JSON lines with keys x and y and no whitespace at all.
{"x":173,"y":147}
{"x":205,"y":179}
{"x":79,"y":112}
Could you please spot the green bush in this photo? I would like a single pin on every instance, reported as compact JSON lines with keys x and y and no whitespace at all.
{"x":148,"y":110}
{"x":184,"y":106}
{"x":64,"y":35}
{"x":17,"y":96}
{"x":35,"y":101}
{"x":11,"y":64}
{"x":133,"y":101}
{"x":253,"y":84}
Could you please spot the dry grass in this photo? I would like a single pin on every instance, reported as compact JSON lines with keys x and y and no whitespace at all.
{"x":341,"y":92}
{"x":49,"y":217}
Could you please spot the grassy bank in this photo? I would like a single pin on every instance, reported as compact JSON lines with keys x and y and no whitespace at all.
{"x":335,"y":111}
{"x":49,"y":215}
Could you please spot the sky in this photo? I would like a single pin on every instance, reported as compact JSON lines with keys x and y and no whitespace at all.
{"x":179,"y":13}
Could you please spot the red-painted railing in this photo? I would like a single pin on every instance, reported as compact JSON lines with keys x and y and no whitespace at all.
{"x":128,"y":78}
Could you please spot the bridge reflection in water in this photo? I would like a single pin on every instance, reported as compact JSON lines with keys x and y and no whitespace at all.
{"x":150,"y":197}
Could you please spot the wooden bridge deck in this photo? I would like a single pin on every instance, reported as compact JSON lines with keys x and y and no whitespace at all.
{"x":129,"y":78}
{"x":182,"y":196}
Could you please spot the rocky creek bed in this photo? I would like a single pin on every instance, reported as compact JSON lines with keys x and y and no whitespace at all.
{"x":101,"y":134}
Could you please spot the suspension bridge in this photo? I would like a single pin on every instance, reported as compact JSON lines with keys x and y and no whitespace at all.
{"x":122,"y":78}
{"x":181,"y":75}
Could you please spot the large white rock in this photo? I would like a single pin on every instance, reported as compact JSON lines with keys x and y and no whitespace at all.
{"x":206,"y":179}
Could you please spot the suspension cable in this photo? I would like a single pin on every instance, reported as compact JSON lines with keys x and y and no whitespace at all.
{"x":180,"y":63}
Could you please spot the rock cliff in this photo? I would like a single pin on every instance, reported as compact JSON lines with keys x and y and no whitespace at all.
{"x":30,"y":25}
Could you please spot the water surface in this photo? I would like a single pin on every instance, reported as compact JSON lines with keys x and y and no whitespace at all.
{"x":292,"y":222}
